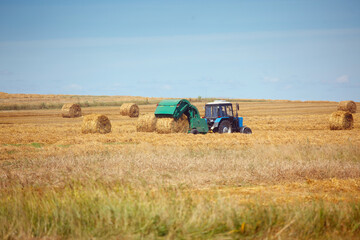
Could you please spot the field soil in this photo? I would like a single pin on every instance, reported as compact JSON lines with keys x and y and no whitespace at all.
{"x":292,"y":178}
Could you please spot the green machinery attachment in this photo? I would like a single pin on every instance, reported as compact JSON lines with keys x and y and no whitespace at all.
{"x":175,"y":108}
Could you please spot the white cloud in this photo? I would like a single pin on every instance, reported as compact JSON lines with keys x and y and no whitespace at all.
{"x":343,"y":79}
{"x":73,"y":87}
{"x":271,"y":79}
{"x":166,"y":87}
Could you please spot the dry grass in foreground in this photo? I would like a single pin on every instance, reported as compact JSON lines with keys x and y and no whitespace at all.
{"x":95,"y":210}
{"x":150,"y":192}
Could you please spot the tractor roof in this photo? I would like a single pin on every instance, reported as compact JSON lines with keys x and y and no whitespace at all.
{"x":219,"y":102}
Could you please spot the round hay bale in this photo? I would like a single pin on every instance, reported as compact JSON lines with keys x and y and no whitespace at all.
{"x":349,"y":106}
{"x":146,"y":123}
{"x":71,"y":110}
{"x":170,"y":125}
{"x":341,"y":120}
{"x":129,"y":109}
{"x":96,"y":123}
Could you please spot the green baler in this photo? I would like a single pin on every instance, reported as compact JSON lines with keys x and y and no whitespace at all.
{"x":175,"y":108}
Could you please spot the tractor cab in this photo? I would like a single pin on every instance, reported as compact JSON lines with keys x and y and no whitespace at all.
{"x":218,"y":109}
{"x":220,"y":118}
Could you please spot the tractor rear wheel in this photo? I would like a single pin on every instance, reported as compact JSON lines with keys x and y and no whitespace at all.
{"x":225,"y":127}
{"x":194,"y":131}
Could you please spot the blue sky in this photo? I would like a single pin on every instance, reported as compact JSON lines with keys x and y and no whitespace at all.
{"x":256,"y":49}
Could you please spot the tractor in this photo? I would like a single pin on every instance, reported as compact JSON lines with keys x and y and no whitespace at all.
{"x":221,"y":119}
{"x":218,"y":118}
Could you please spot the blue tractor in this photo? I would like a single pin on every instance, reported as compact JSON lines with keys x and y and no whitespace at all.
{"x":221,"y":119}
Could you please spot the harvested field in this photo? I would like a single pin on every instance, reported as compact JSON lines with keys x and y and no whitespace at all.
{"x":293,"y":168}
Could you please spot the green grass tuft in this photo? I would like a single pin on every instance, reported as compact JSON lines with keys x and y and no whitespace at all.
{"x":36,"y":145}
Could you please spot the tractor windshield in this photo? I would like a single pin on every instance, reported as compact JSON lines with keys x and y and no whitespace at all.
{"x":215,"y":111}
{"x":226,"y":111}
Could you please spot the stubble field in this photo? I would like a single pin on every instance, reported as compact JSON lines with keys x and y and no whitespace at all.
{"x":293,"y":178}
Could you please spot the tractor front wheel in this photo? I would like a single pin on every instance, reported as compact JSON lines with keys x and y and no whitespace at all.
{"x":225,"y":127}
{"x":246,"y":130}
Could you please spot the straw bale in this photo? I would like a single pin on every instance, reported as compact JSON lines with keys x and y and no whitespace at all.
{"x":129,"y":109}
{"x":341,"y":120}
{"x":71,"y":110}
{"x":96,"y":123}
{"x":170,"y":125}
{"x":349,"y":106}
{"x":146,"y":123}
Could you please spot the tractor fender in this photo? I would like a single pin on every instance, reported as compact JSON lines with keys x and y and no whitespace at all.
{"x":241,"y":120}
{"x":217,"y":122}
